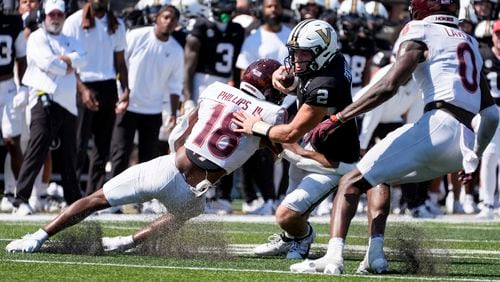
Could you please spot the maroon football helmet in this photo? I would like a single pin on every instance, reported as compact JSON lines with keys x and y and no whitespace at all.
{"x":257,"y":80}
{"x":420,"y":9}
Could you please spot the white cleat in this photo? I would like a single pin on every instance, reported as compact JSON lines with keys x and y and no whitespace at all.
{"x":278,"y":244}
{"x":24,"y":209}
{"x":27,"y":244}
{"x":486,"y":213}
{"x":6,"y":204}
{"x":307,"y":266}
{"x":117,"y":244}
{"x":334,"y":268}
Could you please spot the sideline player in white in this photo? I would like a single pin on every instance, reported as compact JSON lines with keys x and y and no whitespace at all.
{"x":206,"y":149}
{"x":154,"y":59}
{"x":446,"y":64}
{"x":13,"y":99}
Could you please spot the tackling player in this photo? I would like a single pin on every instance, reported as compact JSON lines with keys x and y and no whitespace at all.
{"x":446,"y":64}
{"x":206,"y":148}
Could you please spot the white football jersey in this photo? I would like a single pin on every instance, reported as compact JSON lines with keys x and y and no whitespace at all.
{"x":212,"y":136}
{"x":452,"y":70}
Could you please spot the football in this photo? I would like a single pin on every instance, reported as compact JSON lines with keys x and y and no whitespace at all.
{"x":288,"y":80}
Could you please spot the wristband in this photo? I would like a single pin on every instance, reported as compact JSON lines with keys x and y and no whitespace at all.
{"x":338,"y":117}
{"x":261,"y":128}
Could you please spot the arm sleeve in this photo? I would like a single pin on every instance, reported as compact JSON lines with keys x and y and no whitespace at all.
{"x":78,"y":56}
{"x":20,"y":45}
{"x":39,"y":51}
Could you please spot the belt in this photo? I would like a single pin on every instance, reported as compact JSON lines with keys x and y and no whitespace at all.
{"x":497,"y":100}
{"x":463,"y":116}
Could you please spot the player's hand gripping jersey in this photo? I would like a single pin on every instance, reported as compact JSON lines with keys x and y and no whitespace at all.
{"x":212,"y":136}
{"x":438,"y":77}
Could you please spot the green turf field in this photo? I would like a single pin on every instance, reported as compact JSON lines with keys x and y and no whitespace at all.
{"x":221,"y":251}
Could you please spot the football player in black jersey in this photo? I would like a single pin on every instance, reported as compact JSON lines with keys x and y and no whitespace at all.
{"x":356,"y":46}
{"x":321,"y":79}
{"x":14,"y":99}
{"x":211,"y":49}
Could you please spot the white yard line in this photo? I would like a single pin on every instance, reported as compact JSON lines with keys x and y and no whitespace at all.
{"x":235,"y":270}
{"x":455,"y":219}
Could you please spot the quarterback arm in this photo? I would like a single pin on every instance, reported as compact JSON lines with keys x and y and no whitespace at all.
{"x":306,"y":119}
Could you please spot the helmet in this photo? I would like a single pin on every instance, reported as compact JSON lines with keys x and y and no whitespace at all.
{"x":467,"y":13}
{"x":222,"y":9}
{"x":484,"y":29}
{"x":354,"y":8}
{"x":323,"y":5}
{"x":316,"y":36}
{"x":191,"y":8}
{"x":352,"y":17}
{"x":376,"y":9}
{"x":257,"y":80}
{"x":376,"y":15}
{"x":142,"y":4}
{"x":420,"y":9}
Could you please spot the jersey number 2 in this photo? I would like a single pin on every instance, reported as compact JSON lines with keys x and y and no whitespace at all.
{"x":222,"y":141}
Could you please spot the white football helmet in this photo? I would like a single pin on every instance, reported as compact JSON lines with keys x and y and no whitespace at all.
{"x":316,"y":36}
{"x":484,"y":29}
{"x":352,"y":8}
{"x":467,"y":13}
{"x":191,"y":8}
{"x":142,"y":4}
{"x":376,"y":9}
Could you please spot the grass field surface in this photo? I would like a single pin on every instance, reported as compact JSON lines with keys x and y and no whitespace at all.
{"x":219,"y":249}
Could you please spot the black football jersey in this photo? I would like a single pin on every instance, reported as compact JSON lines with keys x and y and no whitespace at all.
{"x":491,"y":67}
{"x":10,"y":27}
{"x":219,"y":50}
{"x":331,"y":87}
{"x":357,"y":53}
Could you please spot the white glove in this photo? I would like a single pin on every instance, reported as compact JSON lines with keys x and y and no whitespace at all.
{"x":189,"y":106}
{"x":117,"y":244}
{"x":21,"y":98}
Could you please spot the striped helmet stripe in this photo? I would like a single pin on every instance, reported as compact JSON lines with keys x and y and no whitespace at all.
{"x":298,"y":28}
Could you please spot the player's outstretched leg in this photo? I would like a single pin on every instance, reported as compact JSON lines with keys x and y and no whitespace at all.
{"x":75,"y":213}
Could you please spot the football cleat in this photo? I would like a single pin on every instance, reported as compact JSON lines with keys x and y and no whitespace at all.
{"x":117,"y":244}
{"x":374,"y":261}
{"x":278,"y":244}
{"x":334,"y":268}
{"x":27,"y":244}
{"x":300,"y":247}
{"x":24,"y":209}
{"x":307,"y":266}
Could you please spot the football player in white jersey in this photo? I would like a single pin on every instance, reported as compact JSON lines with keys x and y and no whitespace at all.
{"x":446,"y":64}
{"x":206,"y":148}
